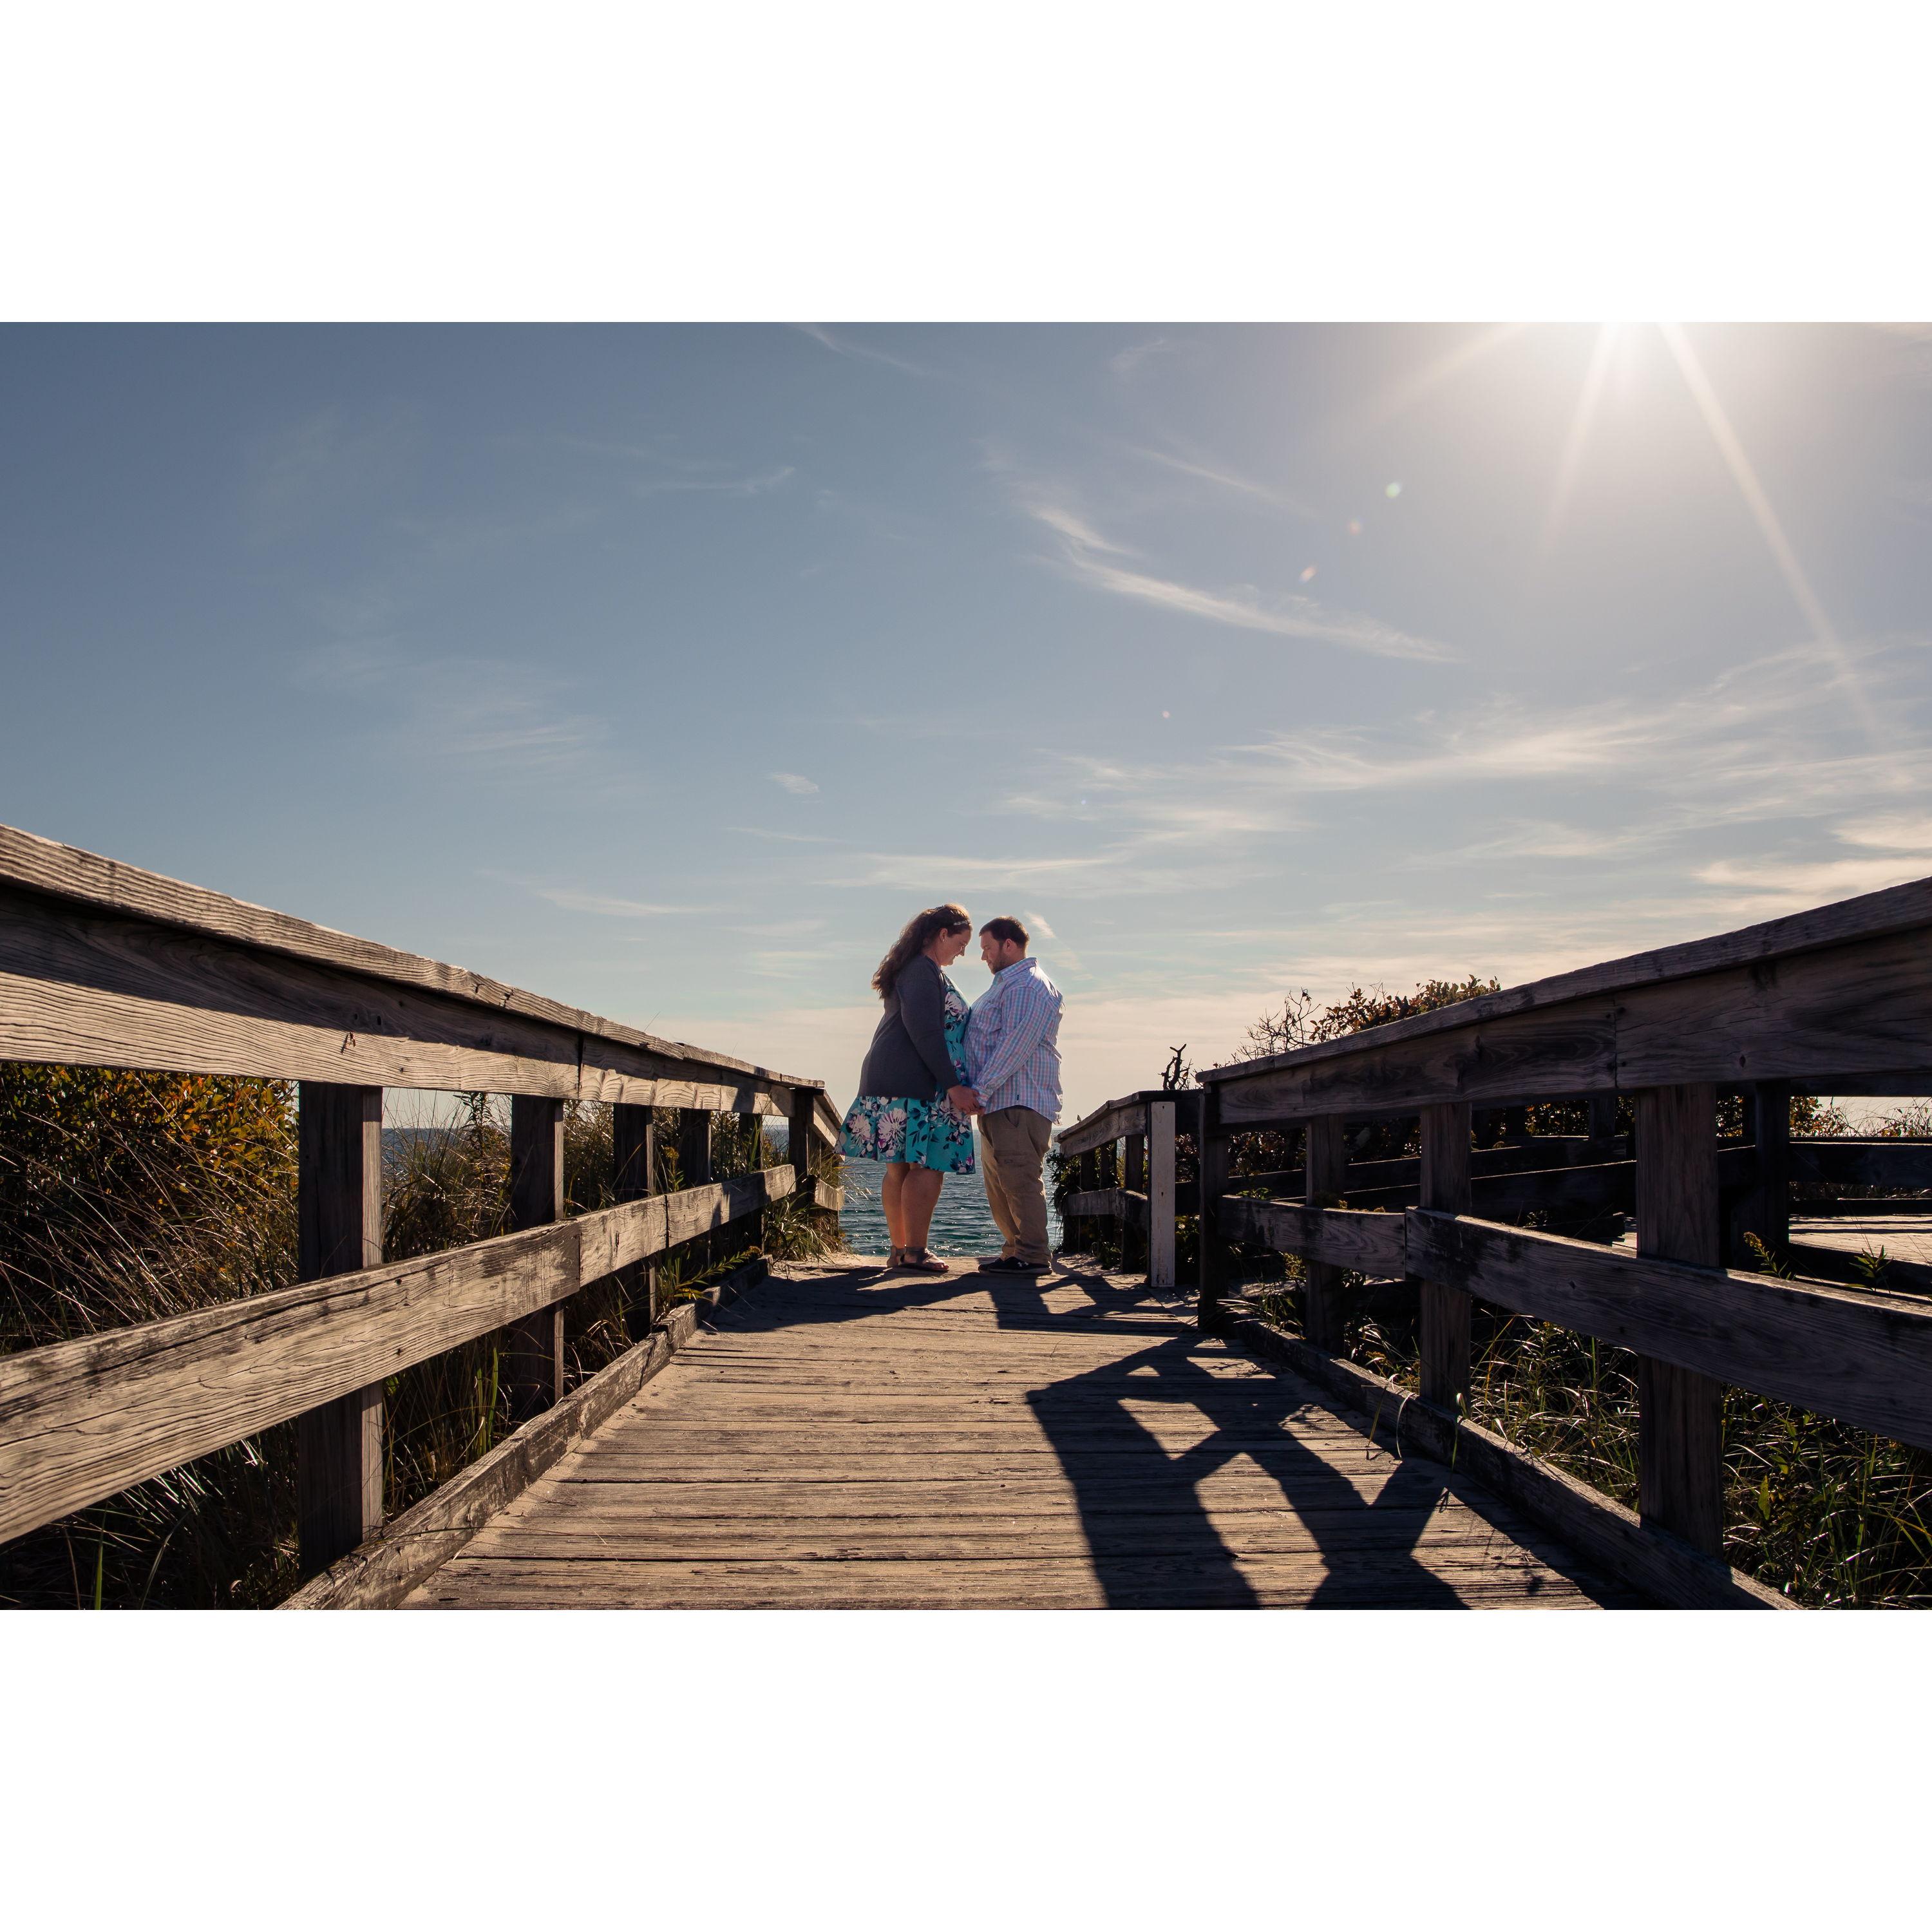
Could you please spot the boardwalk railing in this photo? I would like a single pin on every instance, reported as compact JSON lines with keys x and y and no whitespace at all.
{"x":1146,"y":1200}
{"x":1838,"y":1000}
{"x":103,"y":965}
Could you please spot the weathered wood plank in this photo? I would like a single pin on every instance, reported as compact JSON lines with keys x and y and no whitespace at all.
{"x":1445,"y":1309}
{"x":1903,"y":1165}
{"x":1337,"y":1237}
{"x":379,"y":1574}
{"x":1215,"y":1154}
{"x":1100,"y":1203}
{"x":1324,"y":1171}
{"x":1104,"y":1125}
{"x":1680,"y":1412}
{"x":533,"y":1359}
{"x":339,"y":1231}
{"x":1068,"y":1583}
{"x":85,"y":879}
{"x":1899,"y":910}
{"x":1162,"y":1205}
{"x":82,"y":1419}
{"x":82,"y":988}
{"x":1820,"y":1021}
{"x":633,"y":1160}
{"x":1603,"y":1531}
{"x":1866,"y":1359}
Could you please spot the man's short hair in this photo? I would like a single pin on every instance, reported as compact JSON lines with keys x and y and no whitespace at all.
{"x":1007,"y":931}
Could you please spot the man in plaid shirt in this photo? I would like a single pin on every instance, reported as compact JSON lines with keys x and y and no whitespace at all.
{"x":1012,"y":1061}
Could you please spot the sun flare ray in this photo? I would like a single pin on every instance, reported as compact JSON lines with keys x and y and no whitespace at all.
{"x":1758,"y":504}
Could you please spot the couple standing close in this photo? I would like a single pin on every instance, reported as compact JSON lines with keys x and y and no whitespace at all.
{"x":935,"y":1064}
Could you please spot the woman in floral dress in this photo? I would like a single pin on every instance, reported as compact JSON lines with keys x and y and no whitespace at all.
{"x":914,"y":1109}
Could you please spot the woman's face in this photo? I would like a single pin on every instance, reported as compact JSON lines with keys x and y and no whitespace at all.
{"x":948,"y":946}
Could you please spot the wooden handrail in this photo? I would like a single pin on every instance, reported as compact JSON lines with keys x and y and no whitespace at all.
{"x":103,"y":964}
{"x":83,"y":1419}
{"x":1836,"y":1001}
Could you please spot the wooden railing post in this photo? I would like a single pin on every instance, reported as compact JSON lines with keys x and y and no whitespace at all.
{"x":1444,"y":1365}
{"x":633,"y":1148}
{"x":1766,"y":1210}
{"x":1680,"y":1420}
{"x":339,"y":1229}
{"x":1086,"y":1178}
{"x":694,"y":1161}
{"x":535,"y":1376}
{"x":1215,"y":1149}
{"x":1324,"y":1169}
{"x":1133,"y":1178}
{"x":802,"y":1124}
{"x":1160,"y":1194}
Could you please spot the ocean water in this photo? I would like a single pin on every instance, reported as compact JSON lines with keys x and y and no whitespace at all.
{"x":962,"y":1224}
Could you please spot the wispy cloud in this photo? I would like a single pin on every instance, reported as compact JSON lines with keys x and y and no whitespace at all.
{"x":674,"y":471}
{"x":1287,"y":616}
{"x":1127,"y":363}
{"x":469,"y":711}
{"x":793,"y":782}
{"x":607,"y":906}
{"x":335,"y":461}
{"x":783,"y":929}
{"x":1225,"y":478}
{"x":1581,"y":788}
{"x":845,"y":345}
{"x":1090,"y":557}
{"x":786,"y":838}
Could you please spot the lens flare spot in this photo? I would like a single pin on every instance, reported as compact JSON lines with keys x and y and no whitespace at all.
{"x":1308,"y":575}
{"x":1394,"y":489}
{"x":1355,"y":526}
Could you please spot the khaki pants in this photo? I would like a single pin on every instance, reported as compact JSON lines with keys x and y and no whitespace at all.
{"x":1012,"y":1149}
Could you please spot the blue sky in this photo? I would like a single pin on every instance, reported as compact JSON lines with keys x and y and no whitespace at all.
{"x":667,"y":670}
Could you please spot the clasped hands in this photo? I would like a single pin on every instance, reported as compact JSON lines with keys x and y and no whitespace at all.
{"x":963,"y":1100}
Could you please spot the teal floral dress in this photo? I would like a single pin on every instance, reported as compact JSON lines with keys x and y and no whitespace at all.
{"x":923,"y":1133}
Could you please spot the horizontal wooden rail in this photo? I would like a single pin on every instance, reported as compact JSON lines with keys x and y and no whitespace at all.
{"x":1835,"y":1000}
{"x":1102,"y":1203}
{"x":1371,"y":1244}
{"x":1117,"y":1119}
{"x":84,"y":1419}
{"x":1866,"y":1359}
{"x":1902,"y":1164}
{"x":103,"y":964}
{"x":1863,"y":1357}
{"x":1538,"y":1154}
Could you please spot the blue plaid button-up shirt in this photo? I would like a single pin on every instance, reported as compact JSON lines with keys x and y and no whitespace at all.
{"x":1012,"y":1053}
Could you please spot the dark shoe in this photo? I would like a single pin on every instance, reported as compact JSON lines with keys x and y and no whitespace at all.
{"x":1012,"y":1265}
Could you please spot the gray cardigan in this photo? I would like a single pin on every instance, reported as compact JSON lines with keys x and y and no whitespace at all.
{"x":907,"y":1060}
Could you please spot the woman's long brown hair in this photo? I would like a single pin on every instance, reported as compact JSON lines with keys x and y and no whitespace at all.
{"x":920,"y":931}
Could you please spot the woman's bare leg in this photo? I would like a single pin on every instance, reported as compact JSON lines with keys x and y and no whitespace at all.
{"x":918,"y":1195}
{"x":891,"y":1199}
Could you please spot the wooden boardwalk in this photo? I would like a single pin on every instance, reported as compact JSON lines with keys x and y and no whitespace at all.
{"x":842,"y":1439}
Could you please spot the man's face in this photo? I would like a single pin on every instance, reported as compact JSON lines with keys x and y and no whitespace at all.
{"x":997,"y":953}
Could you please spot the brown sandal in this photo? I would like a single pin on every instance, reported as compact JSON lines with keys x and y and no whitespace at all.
{"x":923,"y":1261}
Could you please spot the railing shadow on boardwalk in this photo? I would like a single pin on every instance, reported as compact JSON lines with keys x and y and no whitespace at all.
{"x":1151,"y":1536}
